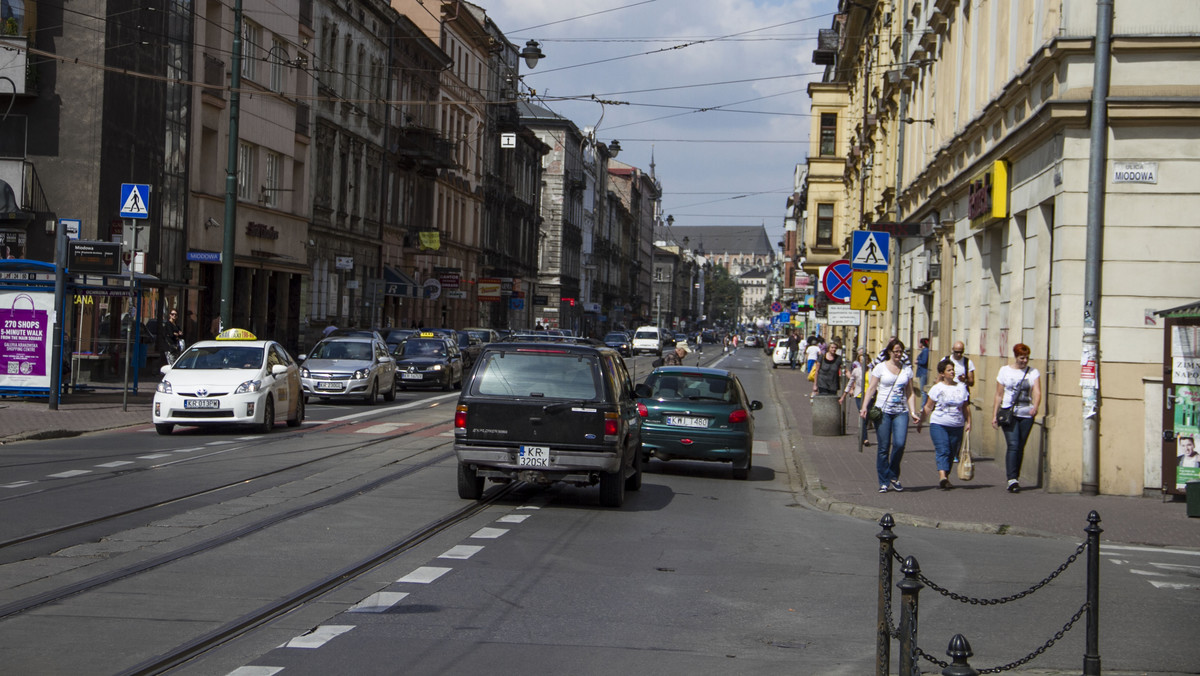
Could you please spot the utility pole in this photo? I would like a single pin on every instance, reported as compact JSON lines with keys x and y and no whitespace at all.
{"x":231,"y":166}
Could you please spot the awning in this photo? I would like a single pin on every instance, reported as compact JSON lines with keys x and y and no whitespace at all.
{"x":396,"y":283}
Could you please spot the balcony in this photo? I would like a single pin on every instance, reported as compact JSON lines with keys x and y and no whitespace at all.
{"x":13,"y":62}
{"x":425,"y":147}
{"x":214,"y":77}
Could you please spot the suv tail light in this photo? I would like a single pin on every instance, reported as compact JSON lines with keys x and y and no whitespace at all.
{"x":611,"y":424}
{"x":739,"y":415}
{"x":460,"y":417}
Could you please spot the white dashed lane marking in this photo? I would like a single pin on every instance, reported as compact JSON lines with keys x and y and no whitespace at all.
{"x":379,"y":602}
{"x":116,"y":463}
{"x":155,"y":456}
{"x":382,"y":428}
{"x":70,"y":473}
{"x":318,"y":637}
{"x":489,"y":533}
{"x":461,"y":552}
{"x":17,"y":484}
{"x":255,"y":671}
{"x":512,"y":518}
{"x":425,"y":575}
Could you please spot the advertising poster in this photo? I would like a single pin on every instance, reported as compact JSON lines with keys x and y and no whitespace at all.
{"x":25,"y":343}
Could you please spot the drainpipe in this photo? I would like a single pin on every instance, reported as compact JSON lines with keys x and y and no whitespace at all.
{"x":1097,"y":163}
{"x":899,"y":177}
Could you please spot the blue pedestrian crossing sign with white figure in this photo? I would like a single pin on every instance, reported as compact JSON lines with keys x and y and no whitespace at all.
{"x":135,"y":200}
{"x":870,"y":250}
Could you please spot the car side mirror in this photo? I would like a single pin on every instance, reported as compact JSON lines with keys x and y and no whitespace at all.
{"x":386,"y":359}
{"x":755,"y":405}
{"x":165,"y":369}
{"x":642,"y":391}
{"x":303,"y":357}
{"x":279,"y":369}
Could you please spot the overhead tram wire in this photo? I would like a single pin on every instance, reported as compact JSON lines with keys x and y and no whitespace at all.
{"x":583,"y":16}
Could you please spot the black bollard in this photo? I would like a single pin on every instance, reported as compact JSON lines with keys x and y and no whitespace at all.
{"x":883,"y":639}
{"x":958,"y":652}
{"x":1091,"y":655}
{"x":910,"y":587}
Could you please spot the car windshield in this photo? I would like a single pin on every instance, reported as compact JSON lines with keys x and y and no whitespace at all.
{"x":615,"y":337}
{"x":691,"y":386}
{"x":337,"y":349}
{"x":220,"y":357}
{"x":648,"y":335}
{"x":551,"y":375}
{"x":421,"y":347}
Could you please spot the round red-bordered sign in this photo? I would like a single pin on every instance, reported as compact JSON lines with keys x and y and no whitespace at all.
{"x":836,"y":281}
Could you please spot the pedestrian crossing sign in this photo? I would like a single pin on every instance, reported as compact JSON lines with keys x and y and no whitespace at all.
{"x":869,"y":291}
{"x":870,"y":250}
{"x":135,"y":200}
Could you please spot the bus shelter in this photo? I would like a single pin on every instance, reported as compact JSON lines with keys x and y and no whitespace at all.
{"x":104,"y":341}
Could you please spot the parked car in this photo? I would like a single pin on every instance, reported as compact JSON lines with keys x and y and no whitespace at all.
{"x":429,"y":359}
{"x":547,"y":412}
{"x":648,"y":339}
{"x":235,"y":379}
{"x":779,"y":356}
{"x":341,"y":367}
{"x":692,"y":413}
{"x":619,"y":341}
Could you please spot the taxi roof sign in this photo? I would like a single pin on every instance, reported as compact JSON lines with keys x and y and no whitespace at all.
{"x":236,"y":334}
{"x":427,"y":334}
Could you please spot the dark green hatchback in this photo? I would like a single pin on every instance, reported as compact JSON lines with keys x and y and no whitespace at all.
{"x":692,"y":413}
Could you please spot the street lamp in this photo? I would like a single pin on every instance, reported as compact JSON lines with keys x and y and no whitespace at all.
{"x":532,"y":54}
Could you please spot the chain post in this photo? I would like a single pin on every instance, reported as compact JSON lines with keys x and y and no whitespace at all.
{"x":958,"y":651}
{"x":910,"y":588}
{"x":883,"y":639}
{"x":1091,"y":655}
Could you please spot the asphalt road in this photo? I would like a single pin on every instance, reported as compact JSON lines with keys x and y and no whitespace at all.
{"x":697,"y":574}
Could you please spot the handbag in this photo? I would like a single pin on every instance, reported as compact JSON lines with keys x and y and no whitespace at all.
{"x":1004,"y":417}
{"x":874,"y":414}
{"x":966,"y":466}
{"x":812,"y":373}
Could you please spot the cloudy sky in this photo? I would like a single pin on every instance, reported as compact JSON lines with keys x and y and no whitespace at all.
{"x":716,"y":89}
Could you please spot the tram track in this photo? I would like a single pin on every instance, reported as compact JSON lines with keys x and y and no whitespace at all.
{"x":240,"y":483}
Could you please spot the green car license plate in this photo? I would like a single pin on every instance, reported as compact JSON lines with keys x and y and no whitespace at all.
{"x":686,"y":421}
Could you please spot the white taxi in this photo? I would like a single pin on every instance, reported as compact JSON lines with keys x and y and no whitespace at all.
{"x":235,"y":379}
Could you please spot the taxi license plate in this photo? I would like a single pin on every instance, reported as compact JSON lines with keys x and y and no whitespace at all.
{"x":411,"y":376}
{"x":534,"y":456}
{"x":201,"y":403}
{"x":329,"y":386}
{"x":686,"y":421}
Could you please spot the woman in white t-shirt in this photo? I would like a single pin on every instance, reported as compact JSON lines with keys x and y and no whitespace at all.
{"x":949,"y":411}
{"x":892,"y":389}
{"x":1017,"y":387}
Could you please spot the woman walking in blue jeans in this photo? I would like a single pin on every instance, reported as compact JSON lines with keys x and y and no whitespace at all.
{"x":949,"y":409}
{"x":892,"y":390}
{"x":1018,"y":387}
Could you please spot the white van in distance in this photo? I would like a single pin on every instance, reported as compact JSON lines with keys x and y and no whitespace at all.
{"x":648,"y":339}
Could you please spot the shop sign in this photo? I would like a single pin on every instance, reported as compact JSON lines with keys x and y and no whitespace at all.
{"x":261,"y":231}
{"x":987,"y":195}
{"x":457,"y":295}
{"x":343,"y":262}
{"x":489,"y":289}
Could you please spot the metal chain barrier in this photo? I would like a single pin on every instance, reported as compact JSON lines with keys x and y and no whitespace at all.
{"x":1024,"y":660}
{"x":993,"y":602}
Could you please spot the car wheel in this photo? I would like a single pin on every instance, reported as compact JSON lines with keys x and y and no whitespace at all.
{"x":458,"y":383}
{"x":634,"y":482}
{"x":164,"y":428}
{"x":470,"y":484}
{"x":390,"y":395}
{"x":295,"y":422}
{"x":372,"y":394}
{"x":268,"y":422}
{"x":612,"y":489}
{"x":741,"y":471}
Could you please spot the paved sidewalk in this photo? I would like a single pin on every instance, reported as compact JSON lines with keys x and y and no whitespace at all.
{"x":838,"y":478}
{"x":31,"y":418}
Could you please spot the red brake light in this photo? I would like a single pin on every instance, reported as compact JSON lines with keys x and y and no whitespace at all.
{"x":642,"y":410}
{"x":611,"y":424}
{"x":739,"y":415}
{"x":460,"y":418}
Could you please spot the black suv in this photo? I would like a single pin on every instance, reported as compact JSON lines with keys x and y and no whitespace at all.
{"x":546,"y":412}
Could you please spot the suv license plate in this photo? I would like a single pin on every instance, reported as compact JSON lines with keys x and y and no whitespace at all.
{"x":201,"y":403}
{"x":534,"y":456}
{"x":686,"y":421}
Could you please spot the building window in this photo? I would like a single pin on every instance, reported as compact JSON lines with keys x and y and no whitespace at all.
{"x":824,"y":225}
{"x":278,"y":58}
{"x":828,"y":134}
{"x":271,"y":179}
{"x":245,"y":175}
{"x":251,"y":41}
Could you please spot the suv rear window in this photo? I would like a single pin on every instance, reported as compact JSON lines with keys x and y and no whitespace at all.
{"x":647,"y":335}
{"x":537,"y":374}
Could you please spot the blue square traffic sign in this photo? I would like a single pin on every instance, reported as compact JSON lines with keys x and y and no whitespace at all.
{"x":135,"y":200}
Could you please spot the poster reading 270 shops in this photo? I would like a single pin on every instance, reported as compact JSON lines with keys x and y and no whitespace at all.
{"x":25,"y":338}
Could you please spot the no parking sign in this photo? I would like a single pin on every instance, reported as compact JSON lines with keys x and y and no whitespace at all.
{"x":836,"y":281}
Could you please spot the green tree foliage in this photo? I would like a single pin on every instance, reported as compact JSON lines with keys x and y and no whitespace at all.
{"x":722,"y":294}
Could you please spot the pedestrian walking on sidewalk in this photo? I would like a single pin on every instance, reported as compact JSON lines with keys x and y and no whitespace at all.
{"x":892,"y":390}
{"x":854,"y":388}
{"x":811,"y":353}
{"x":964,"y":368}
{"x":949,"y":409}
{"x":829,"y":370}
{"x":1018,"y":389}
{"x":793,"y":349}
